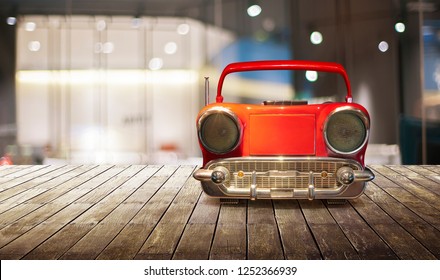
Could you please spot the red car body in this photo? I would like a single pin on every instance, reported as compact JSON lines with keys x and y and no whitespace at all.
{"x":283,"y":149}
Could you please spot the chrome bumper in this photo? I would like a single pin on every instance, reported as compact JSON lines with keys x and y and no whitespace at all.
{"x":284,"y":178}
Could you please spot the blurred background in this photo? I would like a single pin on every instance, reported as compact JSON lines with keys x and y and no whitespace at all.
{"x":122,"y":81}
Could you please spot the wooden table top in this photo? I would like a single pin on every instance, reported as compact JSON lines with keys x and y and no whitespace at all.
{"x":160,"y":212}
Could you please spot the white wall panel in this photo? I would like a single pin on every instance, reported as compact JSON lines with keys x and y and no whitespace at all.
{"x":36,"y":40}
{"x":97,"y":105}
{"x":33,"y":114}
{"x":126,"y":53}
{"x":78,"y":52}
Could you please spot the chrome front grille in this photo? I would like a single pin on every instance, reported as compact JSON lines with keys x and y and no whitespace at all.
{"x":282,"y":173}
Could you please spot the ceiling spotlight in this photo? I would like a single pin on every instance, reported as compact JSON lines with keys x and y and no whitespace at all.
{"x":170,"y":48}
{"x":311,"y":76}
{"x":30,"y":26}
{"x":11,"y":20}
{"x":108,"y":47}
{"x":101,"y":25}
{"x":399,"y":27}
{"x":316,"y":38}
{"x":155,"y":63}
{"x":183,"y":29}
{"x":383,"y":46}
{"x":34,"y":46}
{"x":254,"y":10}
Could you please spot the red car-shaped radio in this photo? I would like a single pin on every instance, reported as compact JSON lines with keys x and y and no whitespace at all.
{"x":283,"y":149}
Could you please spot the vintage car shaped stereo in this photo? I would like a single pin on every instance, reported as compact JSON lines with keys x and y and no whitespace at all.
{"x":283,"y":149}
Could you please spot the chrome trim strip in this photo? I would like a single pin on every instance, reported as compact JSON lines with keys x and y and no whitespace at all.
{"x":254,"y":186}
{"x":311,"y":189}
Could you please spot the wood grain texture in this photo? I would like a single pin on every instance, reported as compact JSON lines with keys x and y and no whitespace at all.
{"x":331,"y":240}
{"x":230,"y":238}
{"x":264,"y":242}
{"x":296,"y":238}
{"x":160,"y":212}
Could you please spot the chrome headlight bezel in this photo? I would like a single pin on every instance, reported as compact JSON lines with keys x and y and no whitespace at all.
{"x":358,"y":113}
{"x":226,"y":112}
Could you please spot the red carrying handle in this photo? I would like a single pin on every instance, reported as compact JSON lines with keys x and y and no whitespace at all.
{"x":283,"y":65}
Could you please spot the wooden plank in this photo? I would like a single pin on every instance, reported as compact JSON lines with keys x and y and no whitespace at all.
{"x":261,"y":212}
{"x":27,"y":241}
{"x":264,"y":242}
{"x":426,"y":212}
{"x":433,"y":168}
{"x":408,"y":216}
{"x":331,"y":240}
{"x":60,"y":185}
{"x":426,"y":234}
{"x":403,"y":170}
{"x":379,"y":195}
{"x":87,"y":243}
{"x":197,"y":237}
{"x":127,"y":243}
{"x":6,"y":169}
{"x":26,"y":223}
{"x":206,"y":211}
{"x":421,"y":180}
{"x":111,"y":188}
{"x":89,"y":246}
{"x":366,"y":242}
{"x":230,"y":241}
{"x":296,"y":238}
{"x":234,"y":213}
{"x":65,"y":237}
{"x":113,"y":215}
{"x":22,"y":170}
{"x":403,"y":244}
{"x":162,"y":242}
{"x":420,"y":169}
{"x":38,"y":216}
{"x":9,"y":169}
{"x":38,"y":201}
{"x":104,"y":184}
{"x":89,"y":188}
{"x":392,"y":187}
{"x":53,"y":247}
{"x":32,"y":188}
{"x":36,"y":234}
{"x":385,"y":195}
{"x":396,"y":237}
{"x":434,"y":172}
{"x":195,"y":243}
{"x":130,"y":240}
{"x":434,"y":178}
{"x":24,"y":175}
{"x":383,"y":170}
{"x":406,"y":184}
{"x":23,"y":183}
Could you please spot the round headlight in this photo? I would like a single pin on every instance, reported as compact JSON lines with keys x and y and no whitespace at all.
{"x":219,"y":130}
{"x":346,"y":131}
